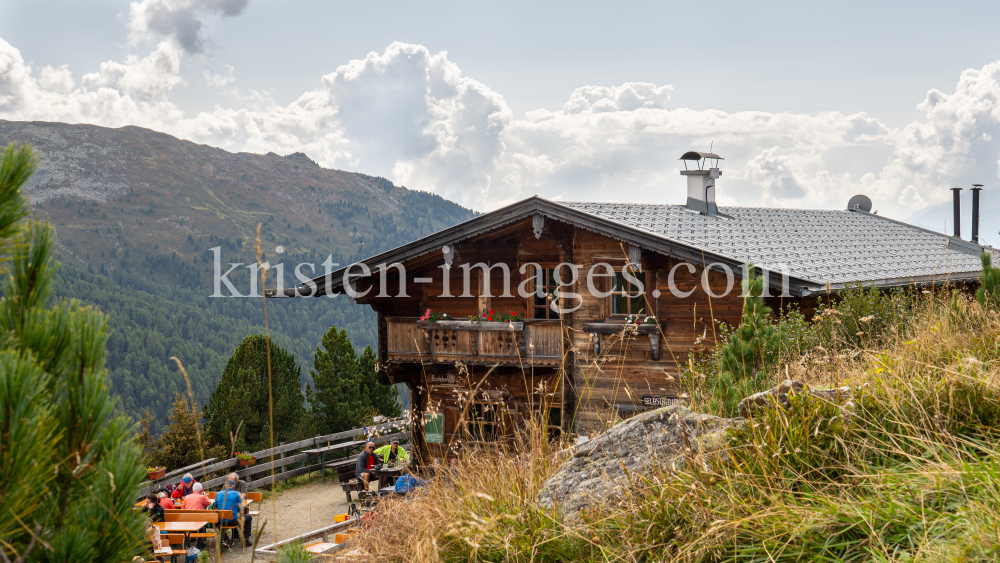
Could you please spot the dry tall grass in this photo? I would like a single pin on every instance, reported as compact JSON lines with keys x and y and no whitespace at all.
{"x":908,"y":471}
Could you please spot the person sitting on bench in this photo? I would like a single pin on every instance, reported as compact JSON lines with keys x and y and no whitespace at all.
{"x":366,"y":463}
{"x":229,"y":499}
{"x":391,"y":454}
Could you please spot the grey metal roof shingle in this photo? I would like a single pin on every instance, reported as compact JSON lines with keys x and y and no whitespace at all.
{"x":822,"y":246}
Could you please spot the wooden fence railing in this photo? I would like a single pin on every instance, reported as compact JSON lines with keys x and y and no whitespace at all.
{"x":383,"y":434}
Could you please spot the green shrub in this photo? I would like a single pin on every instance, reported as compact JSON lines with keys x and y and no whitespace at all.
{"x":988,"y":293}
{"x":753,"y":346}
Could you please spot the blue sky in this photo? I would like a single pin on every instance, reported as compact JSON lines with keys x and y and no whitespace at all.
{"x":486,"y":103}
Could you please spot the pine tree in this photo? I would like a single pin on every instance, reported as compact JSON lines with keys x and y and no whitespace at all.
{"x":145,"y":439}
{"x":753,"y":346}
{"x":179,"y":445}
{"x":68,"y":466}
{"x":239,"y":403}
{"x":384,"y":398}
{"x":342,"y":398}
{"x":988,"y":293}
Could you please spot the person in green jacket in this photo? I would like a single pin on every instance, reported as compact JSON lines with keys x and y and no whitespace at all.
{"x":392,"y":454}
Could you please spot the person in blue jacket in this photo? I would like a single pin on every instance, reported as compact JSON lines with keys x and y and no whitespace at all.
{"x":229,"y":499}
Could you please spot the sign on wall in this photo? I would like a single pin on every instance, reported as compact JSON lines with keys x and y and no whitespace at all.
{"x":434,"y":428}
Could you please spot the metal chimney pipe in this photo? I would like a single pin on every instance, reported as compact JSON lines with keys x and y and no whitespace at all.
{"x":957,"y":206}
{"x":976,"y":188}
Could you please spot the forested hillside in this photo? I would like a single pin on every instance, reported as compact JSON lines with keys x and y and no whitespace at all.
{"x":152,"y":322}
{"x":137,"y":213}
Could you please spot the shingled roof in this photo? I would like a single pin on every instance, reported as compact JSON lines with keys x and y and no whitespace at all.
{"x":812,"y":247}
{"x":819,"y":246}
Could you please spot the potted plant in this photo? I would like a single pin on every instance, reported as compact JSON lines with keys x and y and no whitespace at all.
{"x":246,"y":458}
{"x":156,"y":472}
{"x":434,"y":316}
{"x":493,"y":316}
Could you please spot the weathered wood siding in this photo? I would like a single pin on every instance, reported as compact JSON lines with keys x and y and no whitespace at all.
{"x":607,"y":384}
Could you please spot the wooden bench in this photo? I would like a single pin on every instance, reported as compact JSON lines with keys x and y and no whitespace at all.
{"x":352,"y":485}
{"x":210,"y":516}
{"x":172,"y":540}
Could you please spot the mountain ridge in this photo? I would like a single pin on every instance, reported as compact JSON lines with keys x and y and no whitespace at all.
{"x":136,"y":213}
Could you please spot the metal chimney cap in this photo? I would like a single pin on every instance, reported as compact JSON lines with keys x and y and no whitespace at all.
{"x":956,"y":189}
{"x":695,"y":155}
{"x":977,"y":186}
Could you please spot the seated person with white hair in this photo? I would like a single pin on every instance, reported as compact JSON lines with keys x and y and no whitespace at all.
{"x":185,"y":487}
{"x":197,"y":500}
{"x":229,"y":499}
{"x":241,"y":486}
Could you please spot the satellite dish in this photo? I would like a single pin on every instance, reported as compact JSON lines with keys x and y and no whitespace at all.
{"x":860,"y":202}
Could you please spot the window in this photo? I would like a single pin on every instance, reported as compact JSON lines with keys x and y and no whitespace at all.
{"x":544,"y":294}
{"x":626,"y":298}
{"x":484,"y":425}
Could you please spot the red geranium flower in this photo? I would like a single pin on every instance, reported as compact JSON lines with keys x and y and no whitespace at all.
{"x":491,"y":311}
{"x":490,"y":319}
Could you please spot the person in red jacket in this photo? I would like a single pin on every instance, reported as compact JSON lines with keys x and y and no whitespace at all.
{"x":197,"y":500}
{"x":166,"y":502}
{"x":185,"y":487}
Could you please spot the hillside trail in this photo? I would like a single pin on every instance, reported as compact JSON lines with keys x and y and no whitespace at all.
{"x":300,"y":510}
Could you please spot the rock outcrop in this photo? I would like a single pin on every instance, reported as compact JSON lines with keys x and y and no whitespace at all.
{"x":600,"y":470}
{"x":780,"y":392}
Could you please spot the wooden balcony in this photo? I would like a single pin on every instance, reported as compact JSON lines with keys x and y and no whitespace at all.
{"x":527,"y":343}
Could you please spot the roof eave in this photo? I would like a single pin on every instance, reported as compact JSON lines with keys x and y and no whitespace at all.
{"x":934,"y":280}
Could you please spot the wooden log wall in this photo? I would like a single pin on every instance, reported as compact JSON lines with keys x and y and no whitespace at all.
{"x":612,"y":383}
{"x":513,"y":394}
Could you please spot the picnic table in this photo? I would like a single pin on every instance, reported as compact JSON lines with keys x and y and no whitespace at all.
{"x":181,"y":527}
{"x":387,"y":475}
{"x":321,"y":452}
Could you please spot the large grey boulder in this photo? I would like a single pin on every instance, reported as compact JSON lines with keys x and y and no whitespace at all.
{"x":601,"y":469}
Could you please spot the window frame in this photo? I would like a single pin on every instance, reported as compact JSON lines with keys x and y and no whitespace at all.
{"x":644,"y":296}
{"x":532,"y":307}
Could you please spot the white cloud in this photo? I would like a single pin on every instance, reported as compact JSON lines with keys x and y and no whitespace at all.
{"x":412,"y":116}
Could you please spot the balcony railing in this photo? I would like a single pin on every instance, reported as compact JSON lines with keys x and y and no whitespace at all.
{"x":528,"y":343}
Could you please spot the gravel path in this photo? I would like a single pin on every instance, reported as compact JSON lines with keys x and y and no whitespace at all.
{"x":300,"y":510}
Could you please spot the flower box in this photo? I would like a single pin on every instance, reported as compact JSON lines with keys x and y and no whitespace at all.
{"x":650,"y":330}
{"x":615,"y":328}
{"x":158,"y":474}
{"x":469,"y":325}
{"x":246,"y":462}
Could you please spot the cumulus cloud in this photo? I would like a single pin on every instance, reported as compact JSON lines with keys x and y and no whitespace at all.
{"x":179,"y":20}
{"x":627,"y":97}
{"x":411,"y":115}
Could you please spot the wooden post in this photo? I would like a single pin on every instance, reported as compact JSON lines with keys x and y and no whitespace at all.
{"x":383,"y":340}
{"x":485,"y":301}
{"x":568,"y":383}
{"x":418,"y":399}
{"x":282,"y":456}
